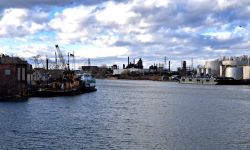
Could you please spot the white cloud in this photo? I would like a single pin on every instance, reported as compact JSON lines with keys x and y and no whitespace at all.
{"x":15,"y":22}
{"x":70,"y":24}
{"x":143,"y":28}
{"x":145,"y":38}
{"x":117,"y":13}
{"x":95,"y":52}
{"x":27,"y":51}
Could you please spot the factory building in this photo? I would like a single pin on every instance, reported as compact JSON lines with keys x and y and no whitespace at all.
{"x":13,"y":76}
{"x":131,"y":67}
{"x":228,"y":67}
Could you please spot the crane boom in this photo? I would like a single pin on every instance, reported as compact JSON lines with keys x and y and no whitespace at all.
{"x":60,"y":55}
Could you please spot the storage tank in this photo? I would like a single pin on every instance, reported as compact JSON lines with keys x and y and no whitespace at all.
{"x":213,"y":67}
{"x":203,"y":70}
{"x":222,"y":74}
{"x":209,"y":71}
{"x":235,"y":62}
{"x":234,"y":72}
{"x":246,"y":72}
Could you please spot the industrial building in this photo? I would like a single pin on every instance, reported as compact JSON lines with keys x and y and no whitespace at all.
{"x":237,"y":68}
{"x":131,"y":67}
{"x":13,"y":76}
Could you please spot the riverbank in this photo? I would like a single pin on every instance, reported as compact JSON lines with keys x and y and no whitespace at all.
{"x":140,"y":77}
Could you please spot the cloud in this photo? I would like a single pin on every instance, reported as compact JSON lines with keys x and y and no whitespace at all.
{"x":150,"y":29}
{"x":70,"y":26}
{"x":20,"y":22}
{"x":44,"y":3}
{"x":115,"y":13}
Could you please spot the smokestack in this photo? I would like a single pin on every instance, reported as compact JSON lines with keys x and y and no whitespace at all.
{"x":47,"y":64}
{"x":184,"y":64}
{"x":169,"y":65}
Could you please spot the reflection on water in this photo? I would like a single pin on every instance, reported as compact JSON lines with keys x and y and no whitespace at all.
{"x":132,"y":115}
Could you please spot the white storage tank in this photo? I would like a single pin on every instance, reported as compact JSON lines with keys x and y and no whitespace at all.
{"x":209,"y":71}
{"x":235,"y":61}
{"x":213,"y":67}
{"x":203,"y":70}
{"x":246,"y":72}
{"x":221,"y":71}
{"x":234,"y":72}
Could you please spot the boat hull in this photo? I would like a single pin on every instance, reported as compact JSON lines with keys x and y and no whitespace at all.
{"x":56,"y":93}
{"x":232,"y":82}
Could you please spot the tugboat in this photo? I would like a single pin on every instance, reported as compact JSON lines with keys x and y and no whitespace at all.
{"x":62,"y":81}
{"x":68,"y":85}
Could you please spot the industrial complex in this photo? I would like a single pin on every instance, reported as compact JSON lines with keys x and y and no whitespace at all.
{"x":18,"y":78}
{"x":229,"y":67}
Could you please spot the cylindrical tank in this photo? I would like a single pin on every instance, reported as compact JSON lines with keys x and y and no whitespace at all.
{"x":221,"y":71}
{"x":234,"y":72}
{"x":246,"y":72}
{"x":234,"y":62}
{"x":208,"y":71}
{"x":213,"y":67}
{"x":203,"y":70}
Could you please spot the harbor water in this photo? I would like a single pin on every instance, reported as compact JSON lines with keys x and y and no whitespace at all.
{"x":136,"y":115}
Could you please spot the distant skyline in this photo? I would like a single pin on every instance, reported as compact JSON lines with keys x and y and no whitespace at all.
{"x":108,"y":32}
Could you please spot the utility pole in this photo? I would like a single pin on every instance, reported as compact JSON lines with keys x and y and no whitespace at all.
{"x":68,"y":61}
{"x":74,"y":60}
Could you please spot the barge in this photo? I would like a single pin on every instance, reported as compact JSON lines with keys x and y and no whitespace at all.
{"x":196,"y":80}
{"x":214,"y":81}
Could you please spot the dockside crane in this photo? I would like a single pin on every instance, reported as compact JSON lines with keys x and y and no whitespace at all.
{"x":62,"y":64}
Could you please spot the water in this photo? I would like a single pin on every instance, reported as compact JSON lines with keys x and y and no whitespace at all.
{"x":132,"y":115}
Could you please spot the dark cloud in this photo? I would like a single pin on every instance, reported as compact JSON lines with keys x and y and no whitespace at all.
{"x":42,"y":3}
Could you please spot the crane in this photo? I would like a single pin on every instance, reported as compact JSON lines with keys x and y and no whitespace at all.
{"x":62,"y":64}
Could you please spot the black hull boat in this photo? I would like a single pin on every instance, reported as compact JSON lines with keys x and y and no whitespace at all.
{"x":56,"y":93}
{"x":231,"y":81}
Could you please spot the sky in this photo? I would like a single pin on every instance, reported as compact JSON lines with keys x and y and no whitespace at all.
{"x":108,"y":31}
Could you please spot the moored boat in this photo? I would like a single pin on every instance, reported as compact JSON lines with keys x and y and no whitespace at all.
{"x":70,"y":84}
{"x":88,"y":82}
{"x":196,"y":80}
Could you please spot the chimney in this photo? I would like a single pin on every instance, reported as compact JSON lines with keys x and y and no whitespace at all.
{"x":169,"y":65}
{"x":128,"y":61}
{"x":47,"y":64}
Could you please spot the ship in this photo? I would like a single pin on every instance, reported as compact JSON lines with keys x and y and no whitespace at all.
{"x":232,"y":81}
{"x":70,"y":84}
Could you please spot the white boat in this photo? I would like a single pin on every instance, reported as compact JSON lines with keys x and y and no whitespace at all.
{"x":88,"y":81}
